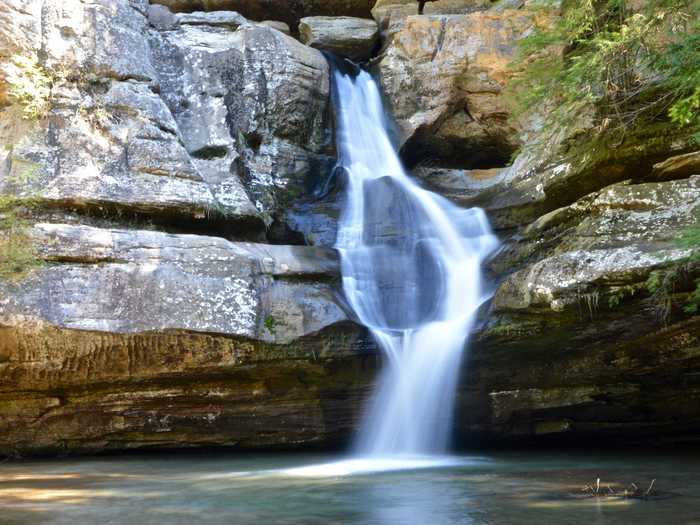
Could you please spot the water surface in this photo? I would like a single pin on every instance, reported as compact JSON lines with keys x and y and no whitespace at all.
{"x":493,"y":489}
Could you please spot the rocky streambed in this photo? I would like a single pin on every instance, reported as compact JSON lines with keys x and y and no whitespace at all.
{"x":185,"y":292}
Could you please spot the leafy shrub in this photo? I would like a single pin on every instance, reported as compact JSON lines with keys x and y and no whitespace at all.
{"x":17,"y":252}
{"x":691,"y":239}
{"x":627,"y":63}
{"x":661,"y":284}
{"x":30,"y":86}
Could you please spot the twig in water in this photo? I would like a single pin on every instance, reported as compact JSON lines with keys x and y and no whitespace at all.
{"x":651,"y":486}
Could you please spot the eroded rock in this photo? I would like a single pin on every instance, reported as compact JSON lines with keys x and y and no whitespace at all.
{"x":251,"y":102}
{"x":175,"y":340}
{"x":443,"y":77}
{"x":104,"y":140}
{"x":161,"y":282}
{"x":595,"y":255}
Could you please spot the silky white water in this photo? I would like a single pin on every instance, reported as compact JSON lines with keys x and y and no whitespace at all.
{"x":410,"y":264}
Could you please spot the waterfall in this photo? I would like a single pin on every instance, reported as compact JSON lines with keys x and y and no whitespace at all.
{"x":410,"y":262}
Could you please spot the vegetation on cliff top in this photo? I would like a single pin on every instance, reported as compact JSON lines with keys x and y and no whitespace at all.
{"x":630,"y":62}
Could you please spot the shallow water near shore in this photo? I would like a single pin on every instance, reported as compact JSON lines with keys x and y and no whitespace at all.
{"x":491,"y":488}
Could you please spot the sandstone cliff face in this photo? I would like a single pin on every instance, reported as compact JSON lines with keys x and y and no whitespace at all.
{"x":139,"y":329}
{"x":173,"y":161}
{"x":444,"y":76}
{"x":576,"y":342}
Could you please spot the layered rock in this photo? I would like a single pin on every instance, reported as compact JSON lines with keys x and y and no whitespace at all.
{"x":589,"y":322}
{"x":104,"y":139}
{"x":586,"y":334}
{"x":222,"y":105}
{"x":129,"y":337}
{"x":388,"y":12}
{"x":353,"y":38}
{"x":140,"y":338}
{"x":155,"y":281}
{"x":125,"y":337}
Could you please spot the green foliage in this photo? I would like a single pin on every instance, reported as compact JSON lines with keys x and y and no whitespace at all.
{"x":271,"y":324}
{"x":691,"y":239}
{"x":627,"y":63}
{"x":17,"y":252}
{"x":661,"y":284}
{"x":30,"y":86}
{"x":682,"y":62}
{"x":620,"y":294}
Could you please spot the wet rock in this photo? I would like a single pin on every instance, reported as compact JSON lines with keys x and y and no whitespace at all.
{"x":353,"y":38}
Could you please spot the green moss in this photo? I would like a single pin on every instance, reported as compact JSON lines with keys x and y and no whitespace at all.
{"x":691,"y":239}
{"x":18,"y":255}
{"x":30,"y":86}
{"x":664,"y":285}
{"x":618,"y":294}
{"x":270,"y":324}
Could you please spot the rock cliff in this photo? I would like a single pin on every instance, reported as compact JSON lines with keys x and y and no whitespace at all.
{"x":181,"y":289}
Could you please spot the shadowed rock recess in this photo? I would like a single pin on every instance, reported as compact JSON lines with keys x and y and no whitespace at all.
{"x":183,"y":291}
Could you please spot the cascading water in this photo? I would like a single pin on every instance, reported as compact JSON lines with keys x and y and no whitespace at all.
{"x":411,"y":271}
{"x":410,"y":263}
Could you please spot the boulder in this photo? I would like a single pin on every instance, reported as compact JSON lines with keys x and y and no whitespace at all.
{"x":103,"y":141}
{"x":288,"y":12}
{"x":171,"y":121}
{"x":251,"y":104}
{"x":353,"y":38}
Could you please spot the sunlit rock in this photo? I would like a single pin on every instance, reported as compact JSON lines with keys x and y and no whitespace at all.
{"x":353,"y":38}
{"x":444,"y":77}
{"x":289,"y":12}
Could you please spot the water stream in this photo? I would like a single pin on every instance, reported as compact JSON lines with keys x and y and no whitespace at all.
{"x":411,"y":272}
